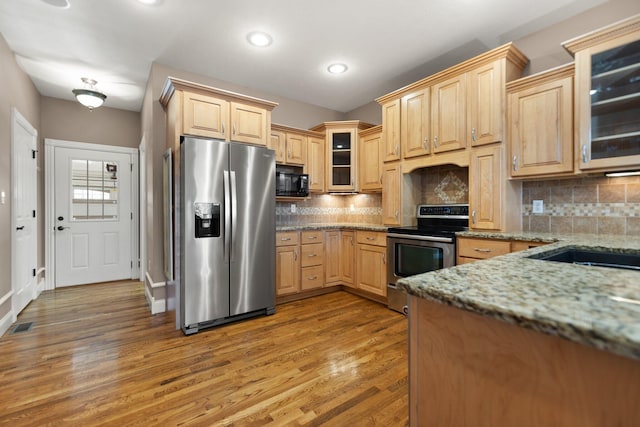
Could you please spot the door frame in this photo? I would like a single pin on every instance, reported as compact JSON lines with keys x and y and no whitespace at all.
{"x":19,"y":119}
{"x":49,"y":183}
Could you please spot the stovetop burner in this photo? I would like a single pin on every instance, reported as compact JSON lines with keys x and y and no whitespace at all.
{"x":437,"y":220}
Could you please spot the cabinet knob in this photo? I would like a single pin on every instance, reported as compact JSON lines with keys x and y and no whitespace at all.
{"x":473,"y":135}
{"x":435,"y":142}
{"x":426,"y":143}
{"x":584,"y":153}
{"x":234,"y":128}
{"x":473,"y":216}
{"x":482,"y":250}
{"x":515,"y":163}
{"x":396,"y":215}
{"x":395,"y":150}
{"x":223,"y":128}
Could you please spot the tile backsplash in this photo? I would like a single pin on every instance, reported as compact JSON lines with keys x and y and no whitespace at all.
{"x":444,"y":185}
{"x":329,"y":209}
{"x":598,"y":205}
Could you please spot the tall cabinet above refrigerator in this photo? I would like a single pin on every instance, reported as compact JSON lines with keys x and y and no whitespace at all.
{"x":227,"y":232}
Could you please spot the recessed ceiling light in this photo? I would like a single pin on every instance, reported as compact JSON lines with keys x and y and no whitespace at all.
{"x":259,"y":39}
{"x":150,"y":2}
{"x":63,"y":4}
{"x":337,"y":68}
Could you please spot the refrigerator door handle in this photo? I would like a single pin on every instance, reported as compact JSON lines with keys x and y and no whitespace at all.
{"x":234,"y":213}
{"x":227,"y":214}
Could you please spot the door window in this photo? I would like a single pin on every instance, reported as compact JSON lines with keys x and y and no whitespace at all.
{"x":94,"y":190}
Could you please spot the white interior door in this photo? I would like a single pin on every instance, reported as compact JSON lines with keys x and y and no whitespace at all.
{"x":93,"y":216}
{"x":24,"y":191}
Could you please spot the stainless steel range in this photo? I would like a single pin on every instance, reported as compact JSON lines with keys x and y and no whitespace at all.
{"x":431,"y":245}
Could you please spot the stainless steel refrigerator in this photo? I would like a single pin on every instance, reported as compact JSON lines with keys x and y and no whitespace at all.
{"x":227,"y":232}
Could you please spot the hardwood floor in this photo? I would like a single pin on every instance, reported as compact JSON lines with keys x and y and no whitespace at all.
{"x":95,"y":356}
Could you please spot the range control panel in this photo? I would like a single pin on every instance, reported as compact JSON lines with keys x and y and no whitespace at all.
{"x":459,"y":210}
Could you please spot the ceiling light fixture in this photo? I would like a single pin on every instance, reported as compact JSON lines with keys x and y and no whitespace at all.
{"x":89,"y":96}
{"x":337,"y":68}
{"x":149,"y":2}
{"x":62,"y":4}
{"x":259,"y":39}
{"x":619,"y":174}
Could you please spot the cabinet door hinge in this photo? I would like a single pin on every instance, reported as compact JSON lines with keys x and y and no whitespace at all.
{"x":34,"y":213}
{"x":33,"y":271}
{"x":33,"y":153}
{"x":131,"y":215}
{"x":131,"y":166}
{"x":131,"y":264}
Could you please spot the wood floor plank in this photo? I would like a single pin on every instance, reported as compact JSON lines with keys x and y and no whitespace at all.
{"x":95,"y":356}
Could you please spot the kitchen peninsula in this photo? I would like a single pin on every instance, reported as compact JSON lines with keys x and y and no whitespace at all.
{"x":519,"y":341}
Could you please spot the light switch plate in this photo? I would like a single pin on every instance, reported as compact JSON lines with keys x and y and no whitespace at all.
{"x":538,"y":206}
{"x":293,"y":208}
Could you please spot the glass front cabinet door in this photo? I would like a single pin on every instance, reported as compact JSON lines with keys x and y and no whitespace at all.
{"x":607,"y":97}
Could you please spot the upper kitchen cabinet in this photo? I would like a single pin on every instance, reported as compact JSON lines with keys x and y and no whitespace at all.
{"x":540,"y":122}
{"x":448,"y":114}
{"x":486,"y":191}
{"x":607,"y":97}
{"x":291,"y":144}
{"x":342,"y":151}
{"x":369,"y":159}
{"x":315,"y":163}
{"x":485,"y":103}
{"x":196,"y":109}
{"x":391,"y":130}
{"x":415,"y":123}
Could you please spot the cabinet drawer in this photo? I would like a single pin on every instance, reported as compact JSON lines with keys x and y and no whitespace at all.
{"x":287,"y":238}
{"x":482,"y":248}
{"x":517,"y":246}
{"x":312,"y":254}
{"x":312,"y":277}
{"x":311,"y":237}
{"x":371,"y":238}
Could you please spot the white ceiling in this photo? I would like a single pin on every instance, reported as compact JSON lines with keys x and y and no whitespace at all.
{"x":386,"y":43}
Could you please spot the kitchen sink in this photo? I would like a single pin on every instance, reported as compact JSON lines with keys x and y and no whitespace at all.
{"x":593,"y":257}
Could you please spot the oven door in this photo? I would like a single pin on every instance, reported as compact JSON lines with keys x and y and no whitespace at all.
{"x":411,"y":255}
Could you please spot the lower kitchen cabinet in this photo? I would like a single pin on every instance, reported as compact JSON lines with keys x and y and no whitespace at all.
{"x":332,"y":244}
{"x":473,"y":249}
{"x":311,"y":260}
{"x":287,"y":263}
{"x":347,"y":258}
{"x":371,"y":262}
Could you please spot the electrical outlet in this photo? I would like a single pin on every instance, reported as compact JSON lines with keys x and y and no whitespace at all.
{"x":293,"y":208}
{"x":538,"y":206}
{"x":352,"y":208}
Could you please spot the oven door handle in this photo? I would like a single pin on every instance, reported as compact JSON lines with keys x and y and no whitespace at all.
{"x":423,"y":238}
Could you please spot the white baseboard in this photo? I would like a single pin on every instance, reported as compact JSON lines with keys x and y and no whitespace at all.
{"x":5,"y":322}
{"x":157,"y":305}
{"x":39,"y":287}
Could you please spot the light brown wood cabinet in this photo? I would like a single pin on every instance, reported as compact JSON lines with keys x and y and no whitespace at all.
{"x":371,"y":262}
{"x":448,"y":114}
{"x":347,"y":258}
{"x":332,"y":257}
{"x":485,"y":103}
{"x":215,"y":113}
{"x":391,"y":139}
{"x":315,"y":165}
{"x":391,"y":194}
{"x":287,"y":263}
{"x":607,"y":113}
{"x":415,"y":123}
{"x":290,"y":145}
{"x":311,"y":260}
{"x":341,"y":153}
{"x":369,"y":159}
{"x":486,"y":188}
{"x":540,"y":120}
{"x":471,"y":249}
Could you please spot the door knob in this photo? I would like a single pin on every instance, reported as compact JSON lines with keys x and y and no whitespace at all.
{"x":60,"y":218}
{"x":60,"y":228}
{"x":20,"y":228}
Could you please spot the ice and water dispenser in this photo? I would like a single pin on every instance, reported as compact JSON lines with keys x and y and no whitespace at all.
{"x":207,"y":219}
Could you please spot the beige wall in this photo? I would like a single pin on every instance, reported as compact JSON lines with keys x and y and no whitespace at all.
{"x":16,"y":91}
{"x":71,"y":121}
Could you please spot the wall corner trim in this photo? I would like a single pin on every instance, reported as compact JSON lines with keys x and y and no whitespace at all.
{"x":157,"y":305}
{"x":5,"y":322}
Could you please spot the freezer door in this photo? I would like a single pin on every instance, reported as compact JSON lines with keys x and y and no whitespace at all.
{"x":204,"y":273}
{"x":253,"y":172}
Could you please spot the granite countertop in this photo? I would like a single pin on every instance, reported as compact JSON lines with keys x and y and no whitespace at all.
{"x":338,"y":226}
{"x":595,"y":306}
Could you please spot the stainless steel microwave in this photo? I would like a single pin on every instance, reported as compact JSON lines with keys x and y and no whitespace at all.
{"x":290,"y":184}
